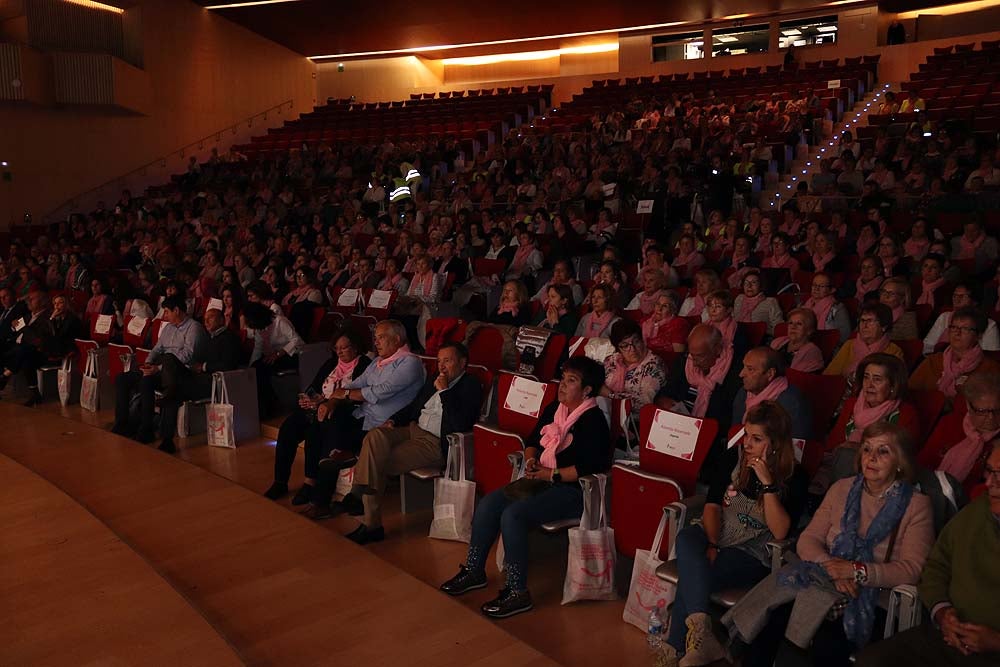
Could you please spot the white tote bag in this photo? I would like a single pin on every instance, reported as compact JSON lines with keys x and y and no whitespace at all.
{"x":454,"y":500}
{"x":90,"y":397}
{"x":345,"y":481}
{"x":64,"y":378}
{"x":646,"y":589}
{"x":220,"y":415}
{"x":590,"y":566}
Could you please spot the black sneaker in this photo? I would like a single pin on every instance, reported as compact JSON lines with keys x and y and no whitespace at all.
{"x":350,"y":505}
{"x":277,"y":490}
{"x":466,"y":580}
{"x":168,"y":447}
{"x":316,"y":512}
{"x":338,"y":460}
{"x":364,"y":535}
{"x":34,"y":398}
{"x":508,"y":603}
{"x":302,"y":496}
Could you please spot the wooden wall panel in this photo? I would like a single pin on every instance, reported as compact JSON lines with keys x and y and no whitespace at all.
{"x":54,"y":25}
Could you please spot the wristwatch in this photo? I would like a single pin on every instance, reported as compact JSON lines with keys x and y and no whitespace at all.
{"x":556,"y":477}
{"x":770,"y":488}
{"x":860,"y":573}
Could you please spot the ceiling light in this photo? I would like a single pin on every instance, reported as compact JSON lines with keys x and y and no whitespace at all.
{"x":725,"y":38}
{"x":97,"y":5}
{"x":531,"y":55}
{"x":249,"y":3}
{"x":791,"y":33}
{"x":826,"y":28}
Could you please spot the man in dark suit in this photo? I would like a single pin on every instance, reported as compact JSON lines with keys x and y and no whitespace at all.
{"x":31,"y":336}
{"x":452,"y":263}
{"x":222,"y":352}
{"x":10,"y":310}
{"x":415,"y":437}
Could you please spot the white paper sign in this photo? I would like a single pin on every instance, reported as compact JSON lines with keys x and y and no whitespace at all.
{"x":18,"y":324}
{"x":525,"y":396}
{"x":215,"y":304}
{"x":349,"y":297}
{"x":103,"y":324}
{"x":674,"y":435}
{"x":379,"y":298}
{"x":833,"y":83}
{"x":799,"y":448}
{"x":609,"y":189}
{"x":136,"y":325}
{"x":644,"y":206}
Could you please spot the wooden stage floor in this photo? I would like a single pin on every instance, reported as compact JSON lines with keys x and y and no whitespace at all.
{"x":273,"y":587}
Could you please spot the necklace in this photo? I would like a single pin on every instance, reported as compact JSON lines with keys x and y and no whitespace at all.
{"x":878,"y":496}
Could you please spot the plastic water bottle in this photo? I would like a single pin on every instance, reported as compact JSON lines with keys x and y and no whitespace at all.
{"x":655,"y":635}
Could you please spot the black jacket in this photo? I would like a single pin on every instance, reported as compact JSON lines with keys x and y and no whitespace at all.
{"x":65,"y":331}
{"x":457,"y":266}
{"x":223,"y":352}
{"x":7,"y":317}
{"x":460,"y":407}
{"x":327,"y":368}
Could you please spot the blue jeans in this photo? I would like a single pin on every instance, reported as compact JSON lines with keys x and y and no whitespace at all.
{"x":497,"y":514}
{"x":697,"y":578}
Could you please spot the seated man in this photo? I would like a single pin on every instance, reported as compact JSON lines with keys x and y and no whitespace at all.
{"x":415,"y":437}
{"x":389,"y":384}
{"x":33,"y":338}
{"x":276,"y":346}
{"x":764,"y":379}
{"x":221,"y":352}
{"x":10,"y":310}
{"x":704,"y":383}
{"x":958,"y":587}
{"x":168,"y":363}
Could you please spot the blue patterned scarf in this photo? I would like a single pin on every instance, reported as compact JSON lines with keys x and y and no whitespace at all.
{"x":859,"y":616}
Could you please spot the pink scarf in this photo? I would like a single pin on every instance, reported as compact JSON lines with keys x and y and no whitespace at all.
{"x":967,"y":249}
{"x":863,"y":416}
{"x":956,"y":368}
{"x":596,"y":324}
{"x":822,"y":309}
{"x":860,"y":350}
{"x":390,"y":283}
{"x":403,"y":351}
{"x":697,"y":305}
{"x":960,"y":458}
{"x":344,"y":369}
{"x":616,"y":380}
{"x":651,"y":328}
{"x":556,"y":437}
{"x":647,"y":302}
{"x":808,"y":358}
{"x":511,"y":308}
{"x":820,"y":261}
{"x":916,"y":249}
{"x":684,"y":260}
{"x":771,"y":392}
{"x":897,"y":313}
{"x":423,"y":283}
{"x":748,"y":305}
{"x":728,"y":329}
{"x":737,"y":259}
{"x":784,"y":262}
{"x":764,"y":243}
{"x":521,"y":257}
{"x":866,"y":287}
{"x":96,"y":303}
{"x":705,"y":384}
{"x":927,"y":293}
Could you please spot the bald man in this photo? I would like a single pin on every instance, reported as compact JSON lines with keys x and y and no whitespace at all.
{"x":705,"y":381}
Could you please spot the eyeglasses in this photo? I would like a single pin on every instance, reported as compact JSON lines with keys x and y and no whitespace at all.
{"x":882,"y":452}
{"x":889,"y":292}
{"x":983,"y":412}
{"x":630,"y":344}
{"x":868,"y":320}
{"x":954,"y":328}
{"x":821,"y":285}
{"x":989,"y":472}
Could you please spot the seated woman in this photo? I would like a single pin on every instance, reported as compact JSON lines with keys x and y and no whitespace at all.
{"x":598,"y":322}
{"x":871,"y":531}
{"x":513,"y":309}
{"x":829,"y":313}
{"x":895,"y":293}
{"x":873,"y":327}
{"x":571,"y":440}
{"x":933,"y":286}
{"x":424,"y":293}
{"x":891,"y":255}
{"x":781,"y":257}
{"x":303,"y":298}
{"x":719,"y":313}
{"x":963,"y":296}
{"x":663,"y":331}
{"x":527,"y":259}
{"x":799,"y":351}
{"x":609,"y":273}
{"x":393,"y":278}
{"x":741,"y":261}
{"x":764,"y":237}
{"x":562,"y":274}
{"x":867,"y":240}
{"x":759,"y":502}
{"x":653,"y":283}
{"x":634,"y":371}
{"x":100,"y":302}
{"x":824,"y":257}
{"x":947,"y":371}
{"x":232,"y":306}
{"x":559,"y":314}
{"x":753,"y":306}
{"x":918,"y":243}
{"x":347,"y":363}
{"x":870,"y":279}
{"x":706,"y":281}
{"x":687,"y":259}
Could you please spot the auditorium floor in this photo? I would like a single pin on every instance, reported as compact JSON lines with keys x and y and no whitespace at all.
{"x":583,"y":633}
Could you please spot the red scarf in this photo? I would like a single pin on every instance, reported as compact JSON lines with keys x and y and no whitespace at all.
{"x":866,"y":287}
{"x":738,"y":258}
{"x":860,"y":350}
{"x":927,"y":293}
{"x":555,"y":436}
{"x":344,"y":369}
{"x":822,"y":309}
{"x":953,"y":368}
{"x":863,"y":416}
{"x":820,"y":261}
{"x":961,"y":457}
{"x":764,"y":243}
{"x":748,"y":305}
{"x":596,"y":324}
{"x":771,"y":392}
{"x":684,"y":260}
{"x":390,"y":283}
{"x":967,"y":249}
{"x":705,"y":384}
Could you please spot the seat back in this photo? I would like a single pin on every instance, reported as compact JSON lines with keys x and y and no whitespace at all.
{"x":107,"y":322}
{"x":380,"y":312}
{"x":508,"y":418}
{"x":548,"y":360}
{"x":155,"y":327}
{"x":485,"y":377}
{"x":491,"y":449}
{"x":683,"y":471}
{"x":929,"y":404}
{"x":823,"y":392}
{"x":136,"y":329}
{"x":488,"y":267}
{"x":948,"y":432}
{"x":754,"y":331}
{"x":118,"y":356}
{"x":637,"y":501}
{"x":83,"y":346}
{"x":486,"y":347}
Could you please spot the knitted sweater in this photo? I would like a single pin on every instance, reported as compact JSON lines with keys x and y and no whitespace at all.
{"x":962,"y":568}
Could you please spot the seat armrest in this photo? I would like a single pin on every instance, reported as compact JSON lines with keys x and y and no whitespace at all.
{"x":463,"y":440}
{"x":779,"y":550}
{"x":904,"y":609}
{"x":516,"y":465}
{"x":680,"y":515}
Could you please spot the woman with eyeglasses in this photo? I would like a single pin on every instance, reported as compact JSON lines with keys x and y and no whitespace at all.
{"x":754,"y":306}
{"x":964,"y":295}
{"x":758,"y":502}
{"x":305,"y":289}
{"x":893,"y":262}
{"x":873,"y":336}
{"x":947,"y":371}
{"x":873,"y":530}
{"x":895,"y":293}
{"x":781,"y":257}
{"x":829,"y":313}
{"x":634,"y":371}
